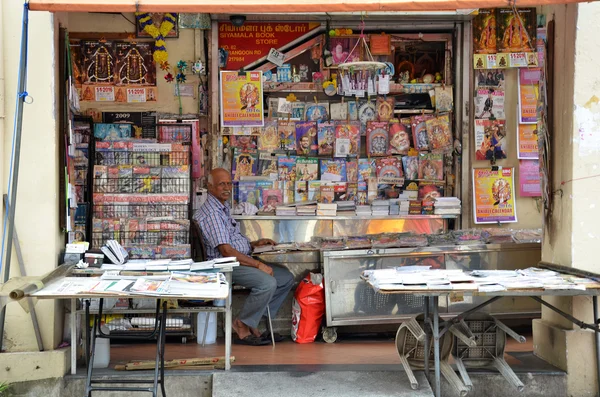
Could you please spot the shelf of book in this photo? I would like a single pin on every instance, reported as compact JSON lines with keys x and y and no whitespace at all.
{"x":417,"y":88}
{"x":341,"y":217}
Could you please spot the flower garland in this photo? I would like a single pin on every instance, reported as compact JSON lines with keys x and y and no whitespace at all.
{"x":147,"y":24}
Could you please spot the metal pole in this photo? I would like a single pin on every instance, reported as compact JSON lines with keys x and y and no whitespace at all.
{"x":13,"y":183}
{"x":436,"y":346}
{"x":597,"y":334}
{"x":426,"y":323}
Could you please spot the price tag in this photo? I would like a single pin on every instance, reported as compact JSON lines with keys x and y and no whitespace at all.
{"x":492,"y":61}
{"x":276,"y":57}
{"x":518,"y":60}
{"x":136,"y":95}
{"x":104,"y":94}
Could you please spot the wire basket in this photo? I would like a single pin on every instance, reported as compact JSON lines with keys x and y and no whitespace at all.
{"x":114,"y":157}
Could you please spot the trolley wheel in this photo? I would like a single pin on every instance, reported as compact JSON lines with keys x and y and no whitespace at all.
{"x":330,"y":334}
{"x":184,"y":340}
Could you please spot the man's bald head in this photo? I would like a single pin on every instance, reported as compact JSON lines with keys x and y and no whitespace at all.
{"x":219,"y":184}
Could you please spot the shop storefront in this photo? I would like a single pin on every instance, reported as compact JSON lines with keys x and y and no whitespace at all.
{"x":374,"y":136}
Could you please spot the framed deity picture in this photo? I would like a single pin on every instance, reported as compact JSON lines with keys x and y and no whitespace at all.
{"x":156,"y":18}
{"x":381,"y":44}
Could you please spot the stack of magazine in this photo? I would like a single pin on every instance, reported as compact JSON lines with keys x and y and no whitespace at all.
{"x":115,"y":252}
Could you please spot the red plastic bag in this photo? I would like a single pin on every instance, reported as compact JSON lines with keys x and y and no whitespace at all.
{"x":308,"y":308}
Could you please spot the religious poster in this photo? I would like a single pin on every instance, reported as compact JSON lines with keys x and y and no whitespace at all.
{"x":134,"y":64}
{"x":489,"y":139}
{"x":529,"y":178}
{"x":253,"y":40}
{"x":516,"y":31}
{"x":98,"y":61}
{"x":494,"y":195}
{"x":528,"y":141}
{"x":484,"y":31}
{"x":241,"y":99}
{"x":529,"y":80}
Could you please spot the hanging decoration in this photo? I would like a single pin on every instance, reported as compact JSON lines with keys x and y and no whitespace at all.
{"x":145,"y":22}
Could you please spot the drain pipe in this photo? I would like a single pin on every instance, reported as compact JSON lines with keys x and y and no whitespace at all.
{"x":2,"y":95}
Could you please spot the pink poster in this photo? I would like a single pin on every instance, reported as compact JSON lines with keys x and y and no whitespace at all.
{"x":529,"y":178}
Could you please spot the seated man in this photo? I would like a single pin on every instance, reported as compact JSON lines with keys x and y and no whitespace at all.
{"x":269,"y":284}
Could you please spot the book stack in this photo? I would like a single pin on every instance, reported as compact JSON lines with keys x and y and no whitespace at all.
{"x":380,"y":207}
{"x":324,"y":209}
{"x":346,"y":207}
{"x":363,"y":210}
{"x":306,"y":210}
{"x":394,"y":208}
{"x":409,"y":195}
{"x":115,"y":252}
{"x":284,"y":210}
{"x":414,"y":207}
{"x":447,"y":206}
{"x":404,"y":207}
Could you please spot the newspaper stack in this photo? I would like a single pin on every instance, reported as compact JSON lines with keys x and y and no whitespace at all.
{"x":404,"y":207}
{"x":447,"y":206}
{"x":347,"y":207}
{"x":306,"y":210}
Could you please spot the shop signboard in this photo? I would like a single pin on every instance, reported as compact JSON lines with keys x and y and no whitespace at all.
{"x":494,"y":195}
{"x":251,"y":41}
{"x":241,"y":99}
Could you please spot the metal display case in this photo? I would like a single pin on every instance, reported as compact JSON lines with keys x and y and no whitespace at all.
{"x":350,"y":301}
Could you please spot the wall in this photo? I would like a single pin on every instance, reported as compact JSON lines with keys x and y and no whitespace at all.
{"x":36,"y":218}
{"x":181,"y":48}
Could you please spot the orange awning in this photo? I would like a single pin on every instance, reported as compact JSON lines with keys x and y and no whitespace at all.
{"x":276,"y":6}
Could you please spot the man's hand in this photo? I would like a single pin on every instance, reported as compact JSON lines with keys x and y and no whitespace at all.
{"x":265,"y":268}
{"x":262,"y":241}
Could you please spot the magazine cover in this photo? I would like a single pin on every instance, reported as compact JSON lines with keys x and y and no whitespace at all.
{"x":494,"y":195}
{"x":439,"y":133}
{"x":489,"y":139}
{"x":307,"y":169}
{"x":352,"y":192}
{"x":326,"y":138}
{"x":339,"y":191}
{"x":377,"y":138}
{"x":244,"y":164}
{"x":411,"y":167}
{"x":399,"y":138}
{"x":527,"y":142}
{"x":333,"y":170}
{"x":489,"y":103}
{"x":516,"y":32}
{"x":385,"y":108}
{"x":430,"y":191}
{"x":141,"y":180}
{"x":271,"y":199}
{"x":287,"y":134}
{"x":112,"y":131}
{"x":419,"y":132}
{"x":247,"y":193}
{"x":389,"y":170}
{"x":431,"y":167}
{"x":288,"y":192}
{"x":298,"y":110}
{"x":267,"y":165}
{"x":484,"y":31}
{"x":316,"y":111}
{"x":306,"y":138}
{"x":349,"y":135}
{"x":261,"y":186}
{"x":352,"y":110}
{"x":100,"y":178}
{"x":489,"y":78}
{"x":366,"y":170}
{"x":269,"y":139}
{"x":314,"y":190}
{"x":352,"y":171}
{"x":272,"y":103}
{"x":327,"y":195}
{"x":339,"y":111}
{"x":245,"y":143}
{"x":300,"y":191}
{"x":286,"y":168}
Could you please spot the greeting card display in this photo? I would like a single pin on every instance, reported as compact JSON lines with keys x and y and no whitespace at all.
{"x":484,"y":31}
{"x":399,"y":137}
{"x":326,"y":138}
{"x":316,"y":111}
{"x":431,"y":167}
{"x":439,"y":133}
{"x":245,"y":143}
{"x":377,"y":138}
{"x":385,"y":108}
{"x":411,"y":167}
{"x":333,"y":170}
{"x":307,"y":169}
{"x":348,"y":133}
{"x":268,"y":140}
{"x":489,"y":139}
{"x":389,"y":170}
{"x":286,"y":168}
{"x":419,"y":131}
{"x":306,"y":138}
{"x":352,"y":171}
{"x":267,"y":165}
{"x":244,"y":164}
{"x":287,"y":134}
{"x":516,"y":32}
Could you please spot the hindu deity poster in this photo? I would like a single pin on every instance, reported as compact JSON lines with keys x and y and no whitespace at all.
{"x":516,"y":31}
{"x":484,"y":32}
{"x":494,"y":195}
{"x":134,"y":64}
{"x":241,"y":99}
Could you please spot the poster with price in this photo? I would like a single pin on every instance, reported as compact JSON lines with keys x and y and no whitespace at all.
{"x":529,"y":80}
{"x":528,"y":141}
{"x":241,"y":99}
{"x":104,"y":94}
{"x":494,"y":195}
{"x":136,"y":95}
{"x":252,"y":41}
{"x":529,"y":178}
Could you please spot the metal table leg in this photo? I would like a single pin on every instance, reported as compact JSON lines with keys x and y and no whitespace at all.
{"x":436,"y":346}
{"x":74,"y":322}
{"x":90,"y":353}
{"x":597,"y":335}
{"x":426,"y":342}
{"x":228,"y":325}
